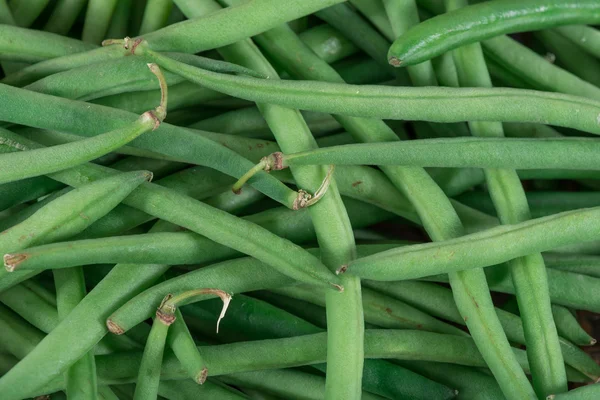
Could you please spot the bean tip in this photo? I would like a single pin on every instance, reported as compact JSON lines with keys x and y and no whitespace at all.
{"x":341,"y":269}
{"x":395,"y":61}
{"x":339,"y":288}
{"x":593,"y":342}
{"x":11,"y":261}
{"x":114,"y":328}
{"x":201,"y":378}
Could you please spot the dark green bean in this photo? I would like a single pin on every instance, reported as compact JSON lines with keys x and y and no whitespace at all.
{"x":589,"y":392}
{"x":97,"y":19}
{"x":25,"y":13}
{"x":31,"y":307}
{"x":577,"y":263}
{"x":485,"y":20}
{"x":155,"y":16}
{"x":375,"y":13}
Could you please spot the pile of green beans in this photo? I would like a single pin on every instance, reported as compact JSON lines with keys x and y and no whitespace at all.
{"x":321,"y":225}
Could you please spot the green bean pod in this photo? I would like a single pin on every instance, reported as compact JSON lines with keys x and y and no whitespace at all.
{"x":155,"y":16}
{"x":520,"y":239}
{"x":428,"y":104}
{"x":485,"y":20}
{"x":589,"y":392}
{"x":97,"y":19}
{"x":63,"y":16}
{"x":569,"y":328}
{"x":586,"y":37}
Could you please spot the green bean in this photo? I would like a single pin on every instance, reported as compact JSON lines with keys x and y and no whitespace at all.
{"x":570,"y":56}
{"x":579,"y":264}
{"x":25,"y":13}
{"x":41,"y":291}
{"x":155,"y":16}
{"x":248,"y":122}
{"x":456,"y":152}
{"x":334,"y":234}
{"x":441,"y":221}
{"x":375,"y":13}
{"x":443,"y":104}
{"x":6,"y":16}
{"x":18,"y":337}
{"x":31,"y":307}
{"x":119,"y":24}
{"x":286,"y":383}
{"x":524,"y":238}
{"x":485,"y":20}
{"x":97,"y":19}
{"x":25,"y":190}
{"x":186,"y":390}
{"x":305,"y":350}
{"x":529,"y":272}
{"x":307,"y":311}
{"x":589,"y":392}
{"x":585,"y":37}
{"x":542,"y":203}
{"x":20,"y":44}
{"x":360,"y":71}
{"x":358,"y":31}
{"x":569,"y":328}
{"x":81,"y":378}
{"x":379,"y":310}
{"x":63,"y":16}
{"x":437,"y":301}
{"x":534,"y":70}
{"x":149,"y":373}
{"x":328,"y":43}
{"x":17,"y":165}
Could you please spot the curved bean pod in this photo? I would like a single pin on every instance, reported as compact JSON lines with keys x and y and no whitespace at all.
{"x":569,"y":328}
{"x":428,"y":104}
{"x":528,"y":237}
{"x":485,"y":20}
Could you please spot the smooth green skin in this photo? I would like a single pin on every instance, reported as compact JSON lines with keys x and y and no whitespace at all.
{"x":328,"y":43}
{"x":571,"y":57}
{"x":6,"y":16}
{"x":63,"y":16}
{"x":478,"y":22}
{"x":489,"y":152}
{"x":529,"y":272}
{"x":489,"y":247}
{"x":31,"y":307}
{"x":379,"y":310}
{"x":29,"y":108}
{"x":535,"y":70}
{"x":81,"y":378}
{"x":39,"y":45}
{"x":579,"y":264}
{"x":156,"y":15}
{"x":149,"y":373}
{"x":441,"y":222}
{"x":304,"y":350}
{"x":374,"y":11}
{"x":428,"y":104}
{"x":25,"y":13}
{"x":97,"y":19}
{"x":585,"y":37}
{"x":437,"y":301}
{"x":334,"y":235}
{"x":589,"y":392}
{"x":43,"y":161}
{"x":569,"y":328}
